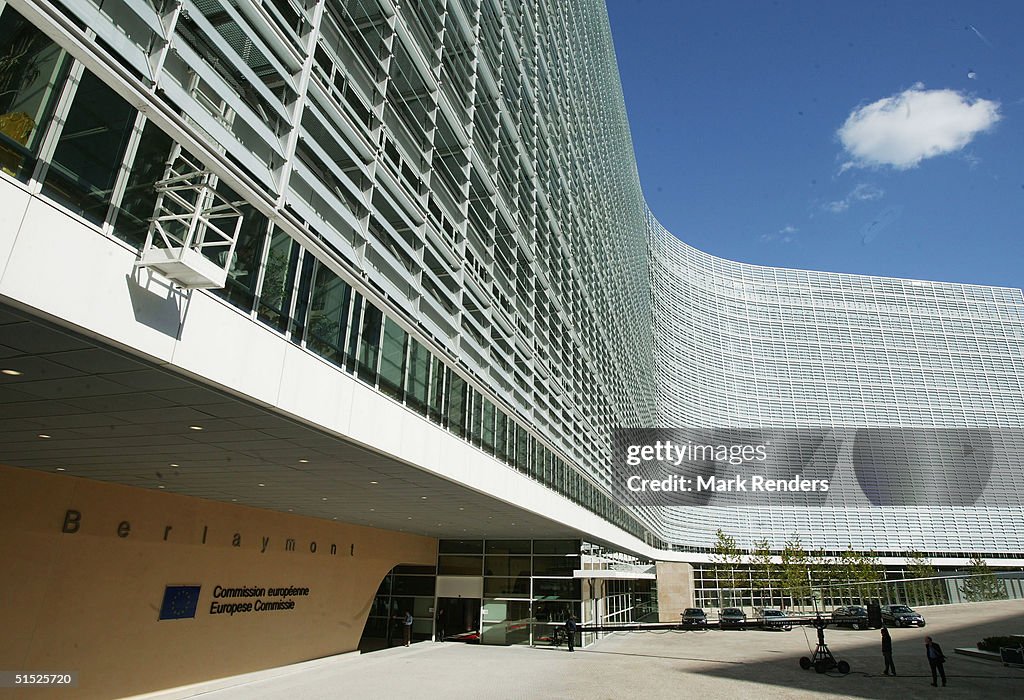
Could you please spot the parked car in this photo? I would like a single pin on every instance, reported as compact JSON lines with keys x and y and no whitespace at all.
{"x":694,"y":617}
{"x":855,"y":616}
{"x":772,"y":619}
{"x":901,"y":616}
{"x":732,"y":618}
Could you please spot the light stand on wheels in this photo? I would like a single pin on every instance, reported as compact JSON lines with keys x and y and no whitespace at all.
{"x":822,"y":660}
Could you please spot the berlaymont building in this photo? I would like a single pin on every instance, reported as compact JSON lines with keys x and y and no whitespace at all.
{"x":315,"y":313}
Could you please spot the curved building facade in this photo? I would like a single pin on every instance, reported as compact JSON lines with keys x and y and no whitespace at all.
{"x":913,"y":388}
{"x":439,"y":200}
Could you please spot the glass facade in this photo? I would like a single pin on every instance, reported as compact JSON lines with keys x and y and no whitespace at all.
{"x":441,"y":200}
{"x":528,"y":591}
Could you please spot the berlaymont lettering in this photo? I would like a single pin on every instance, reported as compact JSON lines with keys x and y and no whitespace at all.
{"x":74,"y":519}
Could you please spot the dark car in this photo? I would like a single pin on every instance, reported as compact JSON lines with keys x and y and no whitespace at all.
{"x":854,"y":616}
{"x":773,"y":619}
{"x":901,"y":616}
{"x":694,"y":617}
{"x":732,"y":618}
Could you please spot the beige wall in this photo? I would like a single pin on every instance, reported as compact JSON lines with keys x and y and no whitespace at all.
{"x":675,"y":589}
{"x":90,"y":601}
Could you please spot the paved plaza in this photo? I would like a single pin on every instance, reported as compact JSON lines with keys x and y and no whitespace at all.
{"x":672,"y":664}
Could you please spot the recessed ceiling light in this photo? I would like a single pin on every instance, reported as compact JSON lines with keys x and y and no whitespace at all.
{"x":373,"y":482}
{"x":234,"y":500}
{"x":461,"y":508}
{"x":372,"y":510}
{"x":334,"y":518}
{"x":60,"y":469}
{"x":10,"y":372}
{"x":324,"y":498}
{"x":303,"y":461}
{"x":423,"y":498}
{"x":43,"y":436}
{"x":290,"y":510}
{"x":195,"y":427}
{"x":261,"y":484}
{"x":175,"y":465}
{"x":409,"y":518}
{"x":161,"y":486}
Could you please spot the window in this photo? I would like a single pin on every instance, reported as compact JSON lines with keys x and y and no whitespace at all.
{"x":369,"y":345}
{"x":392,"y":361}
{"x":457,"y":405}
{"x":439,"y":373}
{"x":328,"y":315}
{"x":132,"y":220}
{"x":240,"y":287}
{"x":32,"y":74}
{"x":278,"y":280}
{"x":418,"y":377}
{"x":88,"y":155}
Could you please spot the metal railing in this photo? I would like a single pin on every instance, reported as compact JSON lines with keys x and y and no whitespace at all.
{"x":194,"y":229}
{"x":935,"y":590}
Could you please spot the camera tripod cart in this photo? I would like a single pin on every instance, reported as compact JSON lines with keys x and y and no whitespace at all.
{"x":823,"y":660}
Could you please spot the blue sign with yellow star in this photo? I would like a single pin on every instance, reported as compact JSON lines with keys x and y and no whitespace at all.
{"x":179,"y":602}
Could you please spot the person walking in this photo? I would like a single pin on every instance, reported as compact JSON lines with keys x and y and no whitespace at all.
{"x":887,"y":651}
{"x":439,"y":625}
{"x":935,"y":659}
{"x":570,"y":631}
{"x":407,"y":624}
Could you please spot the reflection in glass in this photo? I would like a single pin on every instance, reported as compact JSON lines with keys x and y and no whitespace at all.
{"x":506,"y":622}
{"x":132,"y":222}
{"x":508,"y":546}
{"x":89,"y":153}
{"x":32,"y":73}
{"x":515,"y":587}
{"x":457,"y":405}
{"x":507,"y":566}
{"x":392,"y":359}
{"x":278,"y":280}
{"x":459,"y":565}
{"x":561,"y":565}
{"x":369,"y":346}
{"x":418,"y":377}
{"x":328,"y":315}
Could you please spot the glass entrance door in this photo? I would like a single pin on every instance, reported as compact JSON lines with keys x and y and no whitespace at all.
{"x":458,"y":620}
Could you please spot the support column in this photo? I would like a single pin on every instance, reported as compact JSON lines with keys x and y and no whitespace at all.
{"x":675,"y":589}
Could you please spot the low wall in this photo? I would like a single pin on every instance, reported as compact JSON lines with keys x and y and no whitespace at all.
{"x":137,"y":590}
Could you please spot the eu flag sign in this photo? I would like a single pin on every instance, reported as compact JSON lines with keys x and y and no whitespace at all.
{"x":179,"y":602}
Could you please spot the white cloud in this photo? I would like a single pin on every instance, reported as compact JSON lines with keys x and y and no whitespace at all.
{"x":864,"y":192}
{"x":784,"y":235}
{"x":904,"y":129}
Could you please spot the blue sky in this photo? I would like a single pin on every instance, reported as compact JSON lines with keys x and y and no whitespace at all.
{"x":882,"y":138}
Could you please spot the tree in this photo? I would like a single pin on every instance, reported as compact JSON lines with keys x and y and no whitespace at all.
{"x":764,"y":570}
{"x":983,"y":584}
{"x":846,"y":574}
{"x":824,"y":571}
{"x":866,"y":569}
{"x":918,"y":566}
{"x":794,"y":570}
{"x":727,"y":559}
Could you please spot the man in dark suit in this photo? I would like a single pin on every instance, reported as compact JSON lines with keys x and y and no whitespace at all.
{"x":570,"y":631}
{"x":935,"y":659}
{"x":887,"y":651}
